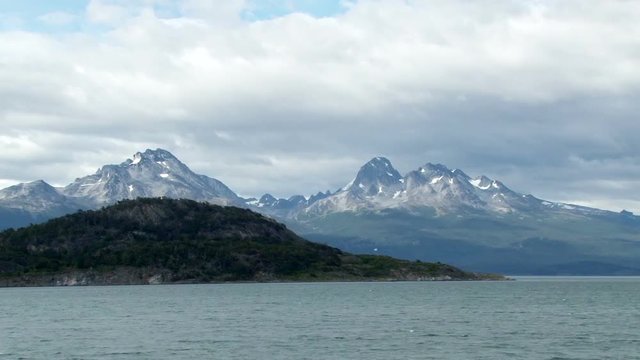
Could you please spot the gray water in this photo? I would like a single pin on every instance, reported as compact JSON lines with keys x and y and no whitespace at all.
{"x":532,"y":318}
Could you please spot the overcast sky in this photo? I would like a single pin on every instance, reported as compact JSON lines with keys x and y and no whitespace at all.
{"x":287,"y":97}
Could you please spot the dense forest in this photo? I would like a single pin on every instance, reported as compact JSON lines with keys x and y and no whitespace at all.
{"x":188,"y":241}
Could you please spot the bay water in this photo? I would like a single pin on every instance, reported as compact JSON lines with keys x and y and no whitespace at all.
{"x":530,"y":318}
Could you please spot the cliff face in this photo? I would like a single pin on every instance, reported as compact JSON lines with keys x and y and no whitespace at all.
{"x":166,"y":241}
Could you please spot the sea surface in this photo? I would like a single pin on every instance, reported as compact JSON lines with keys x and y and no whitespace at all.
{"x":530,"y":318}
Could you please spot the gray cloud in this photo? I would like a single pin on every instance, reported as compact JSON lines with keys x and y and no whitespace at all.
{"x":541,"y":95}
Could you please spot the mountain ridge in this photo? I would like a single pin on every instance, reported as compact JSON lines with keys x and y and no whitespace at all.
{"x":378,"y":185}
{"x":430,"y":213}
{"x":155,"y":173}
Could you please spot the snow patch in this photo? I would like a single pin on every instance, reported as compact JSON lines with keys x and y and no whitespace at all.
{"x":130,"y":188}
{"x":477,"y":182}
{"x":164,"y":176}
{"x":435,"y":180}
{"x":136,"y":159}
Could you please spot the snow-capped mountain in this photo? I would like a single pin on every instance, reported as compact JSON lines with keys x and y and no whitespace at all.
{"x":36,"y":197}
{"x":375,"y":178}
{"x":432,"y":213}
{"x":378,"y":185}
{"x":284,"y":208}
{"x":153,"y":173}
{"x":33,"y":202}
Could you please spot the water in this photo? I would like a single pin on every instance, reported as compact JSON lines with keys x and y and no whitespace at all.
{"x":533,"y":318}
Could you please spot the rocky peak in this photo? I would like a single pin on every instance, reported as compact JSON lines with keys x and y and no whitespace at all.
{"x":152,"y":173}
{"x":267,"y":200}
{"x":37,"y":188}
{"x":318,"y":196}
{"x":375,"y":176}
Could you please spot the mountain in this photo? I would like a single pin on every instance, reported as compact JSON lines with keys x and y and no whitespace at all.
{"x":379,"y":186}
{"x":438,"y":213}
{"x":284,"y":208}
{"x":432,"y":213}
{"x":153,"y":173}
{"x":33,"y":202}
{"x":166,"y":241}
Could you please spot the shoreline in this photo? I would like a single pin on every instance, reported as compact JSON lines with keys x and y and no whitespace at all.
{"x":137,"y":276}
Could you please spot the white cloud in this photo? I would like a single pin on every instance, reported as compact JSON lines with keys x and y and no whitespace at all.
{"x":105,"y":12}
{"x":58,"y":18}
{"x":216,"y":12}
{"x":497,"y":87}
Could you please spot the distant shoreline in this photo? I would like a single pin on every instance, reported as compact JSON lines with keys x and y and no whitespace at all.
{"x":133,"y":276}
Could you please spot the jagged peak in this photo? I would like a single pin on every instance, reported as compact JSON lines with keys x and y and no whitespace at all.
{"x":434,"y":173}
{"x":319,"y":196}
{"x":435,"y":167}
{"x":379,"y":166}
{"x":159,"y":153}
{"x":379,"y":161}
{"x":374,"y":176}
{"x":151,"y":155}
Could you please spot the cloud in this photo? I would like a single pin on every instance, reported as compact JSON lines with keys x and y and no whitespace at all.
{"x":218,"y":12}
{"x":57,"y":18}
{"x":105,"y":12}
{"x":539,"y":94}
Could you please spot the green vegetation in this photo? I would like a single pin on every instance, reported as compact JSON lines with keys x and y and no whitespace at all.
{"x":189,"y":241}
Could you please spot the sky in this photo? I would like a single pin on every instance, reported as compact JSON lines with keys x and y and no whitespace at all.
{"x":292,"y":97}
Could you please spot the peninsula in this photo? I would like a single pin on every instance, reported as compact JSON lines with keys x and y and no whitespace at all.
{"x":159,"y":240}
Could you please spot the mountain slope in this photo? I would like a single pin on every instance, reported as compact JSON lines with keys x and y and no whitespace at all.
{"x":153,"y":173}
{"x":479,"y":223}
{"x":379,"y":186}
{"x":183,"y":240}
{"x":432,"y":213}
{"x":33,"y":202}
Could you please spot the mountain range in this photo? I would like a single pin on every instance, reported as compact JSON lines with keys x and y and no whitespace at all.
{"x":432,"y":213}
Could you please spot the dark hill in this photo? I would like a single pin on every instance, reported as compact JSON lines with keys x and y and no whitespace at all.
{"x":164,"y":240}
